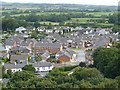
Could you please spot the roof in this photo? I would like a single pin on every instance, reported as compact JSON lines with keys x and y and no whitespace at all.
{"x":21,"y":49}
{"x":47,"y":45}
{"x":12,"y":66}
{"x":63,"y":53}
{"x":18,"y":57}
{"x":42,"y":64}
{"x":71,"y":52}
{"x":3,"y":54}
{"x":45,"y":54}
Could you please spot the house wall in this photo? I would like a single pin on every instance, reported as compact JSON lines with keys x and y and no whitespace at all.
{"x":42,"y":69}
{"x":8,"y":47}
{"x":14,"y":70}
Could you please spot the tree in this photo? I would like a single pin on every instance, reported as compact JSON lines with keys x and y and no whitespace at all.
{"x":85,"y":73}
{"x":108,"y":83}
{"x":20,"y":79}
{"x":29,"y":68}
{"x":9,"y":74}
{"x":38,"y":58}
{"x":85,"y":84}
{"x":34,"y":34}
{"x":118,"y":81}
{"x":82,"y":64}
{"x":106,"y":60}
{"x":36,"y":24}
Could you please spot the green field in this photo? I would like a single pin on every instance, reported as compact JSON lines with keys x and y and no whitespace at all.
{"x":99,"y":13}
{"x":84,"y":19}
{"x":48,"y":23}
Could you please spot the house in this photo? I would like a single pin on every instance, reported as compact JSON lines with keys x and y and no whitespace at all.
{"x":14,"y":50}
{"x":9,"y":44}
{"x":30,"y":28}
{"x":2,"y":48}
{"x":41,"y":29}
{"x":28,"y":43}
{"x":48,"y":31}
{"x":65,"y":55}
{"x":12,"y":41}
{"x":19,"y":58}
{"x":4,"y":55}
{"x":101,"y":42}
{"x":51,"y":47}
{"x":25,"y":35}
{"x":45,"y":55}
{"x":13,"y":67}
{"x":20,"y":29}
{"x":43,"y":66}
{"x":39,"y":67}
{"x":103,"y":32}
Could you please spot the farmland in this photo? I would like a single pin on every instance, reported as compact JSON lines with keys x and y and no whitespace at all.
{"x":50,"y":14}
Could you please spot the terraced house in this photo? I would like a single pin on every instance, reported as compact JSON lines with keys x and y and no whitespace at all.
{"x":51,"y":47}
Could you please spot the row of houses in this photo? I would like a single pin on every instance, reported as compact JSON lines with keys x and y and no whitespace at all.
{"x":39,"y":66}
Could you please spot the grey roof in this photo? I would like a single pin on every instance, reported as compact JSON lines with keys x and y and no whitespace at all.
{"x":63,"y":53}
{"x":3,"y":54}
{"x":101,"y":41}
{"x":47,"y":45}
{"x":12,"y":66}
{"x":11,"y":40}
{"x":42,"y":64}
{"x":45,"y":54}
{"x":18,"y":57}
{"x":24,"y":43}
{"x":5,"y":81}
{"x":21,"y":49}
{"x":71,"y":52}
{"x":10,"y":43}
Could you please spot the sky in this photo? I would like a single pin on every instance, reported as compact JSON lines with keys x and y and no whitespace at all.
{"x":89,"y":2}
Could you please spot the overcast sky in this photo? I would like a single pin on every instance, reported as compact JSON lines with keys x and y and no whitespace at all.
{"x":93,"y":2}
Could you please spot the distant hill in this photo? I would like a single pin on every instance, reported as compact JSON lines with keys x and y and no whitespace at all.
{"x":69,"y":6}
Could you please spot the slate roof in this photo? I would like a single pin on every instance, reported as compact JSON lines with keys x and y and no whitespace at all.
{"x":45,"y":54}
{"x":18,"y":57}
{"x":3,"y":54}
{"x":62,"y":53}
{"x":42,"y":64}
{"x":21,"y":49}
{"x":12,"y":66}
{"x":47,"y":45}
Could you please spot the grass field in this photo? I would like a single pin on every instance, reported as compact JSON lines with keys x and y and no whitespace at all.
{"x":99,"y":13}
{"x":48,"y":23}
{"x":46,"y":13}
{"x":84,"y":19}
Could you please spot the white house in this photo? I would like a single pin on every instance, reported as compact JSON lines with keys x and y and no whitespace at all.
{"x":41,"y":29}
{"x":49,"y":31}
{"x":13,"y":67}
{"x":20,"y":29}
{"x":43,"y":66}
{"x":39,"y":66}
